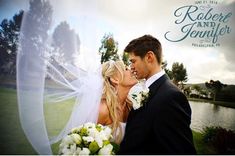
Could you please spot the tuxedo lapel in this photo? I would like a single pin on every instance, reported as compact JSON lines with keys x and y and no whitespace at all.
{"x":152,"y":91}
{"x":153,"y":88}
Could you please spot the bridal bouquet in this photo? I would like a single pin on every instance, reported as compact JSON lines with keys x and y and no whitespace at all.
{"x":88,"y":139}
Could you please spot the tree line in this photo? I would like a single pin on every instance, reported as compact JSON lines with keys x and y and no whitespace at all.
{"x":65,"y":46}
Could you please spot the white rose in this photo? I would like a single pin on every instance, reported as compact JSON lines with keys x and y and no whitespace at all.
{"x":107,"y":132}
{"x":84,"y":151}
{"x":93,"y":132}
{"x":99,"y":141}
{"x":89,"y":125}
{"x":139,"y":98}
{"x":88,"y":139}
{"x":66,"y":151}
{"x":78,"y":150}
{"x":76,"y":138}
{"x":145,"y":91}
{"x":76,"y":129}
{"x":103,"y":135}
{"x":106,"y":150}
{"x":73,"y":148}
{"x":133,"y":100}
{"x":67,"y":140}
{"x":136,"y":105}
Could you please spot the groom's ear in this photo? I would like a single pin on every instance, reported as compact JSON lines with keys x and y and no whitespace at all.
{"x":150,"y":57}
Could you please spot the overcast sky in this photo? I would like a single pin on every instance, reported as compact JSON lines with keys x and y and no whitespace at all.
{"x":128,"y":19}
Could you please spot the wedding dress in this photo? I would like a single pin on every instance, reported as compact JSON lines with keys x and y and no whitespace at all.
{"x":123,"y":126}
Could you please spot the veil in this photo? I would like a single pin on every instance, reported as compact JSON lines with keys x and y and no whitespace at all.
{"x":46,"y":79}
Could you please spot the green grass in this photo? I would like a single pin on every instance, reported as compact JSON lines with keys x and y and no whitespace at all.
{"x":13,"y":140}
{"x":201,"y":147}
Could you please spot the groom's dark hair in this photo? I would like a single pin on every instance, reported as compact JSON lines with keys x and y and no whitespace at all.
{"x":140,"y":46}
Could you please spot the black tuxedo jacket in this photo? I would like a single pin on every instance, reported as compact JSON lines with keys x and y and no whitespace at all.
{"x":162,"y":125}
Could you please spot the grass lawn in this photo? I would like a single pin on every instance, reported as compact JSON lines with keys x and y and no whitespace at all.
{"x":201,"y":147}
{"x":13,"y":140}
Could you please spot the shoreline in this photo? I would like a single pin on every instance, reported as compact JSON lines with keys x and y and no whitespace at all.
{"x":218,"y":103}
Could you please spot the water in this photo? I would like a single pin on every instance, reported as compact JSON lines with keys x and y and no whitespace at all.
{"x":206,"y":114}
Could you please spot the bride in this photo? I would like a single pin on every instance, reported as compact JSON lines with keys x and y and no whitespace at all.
{"x":100,"y":93}
{"x":114,"y":107}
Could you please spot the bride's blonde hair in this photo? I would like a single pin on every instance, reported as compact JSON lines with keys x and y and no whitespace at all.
{"x":109,"y":70}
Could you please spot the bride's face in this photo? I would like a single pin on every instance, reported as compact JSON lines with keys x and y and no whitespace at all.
{"x":129,"y":79}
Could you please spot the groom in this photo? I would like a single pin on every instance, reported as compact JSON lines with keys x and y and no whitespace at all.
{"x":162,"y":125}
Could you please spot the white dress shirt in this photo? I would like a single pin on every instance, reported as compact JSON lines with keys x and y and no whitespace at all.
{"x":153,"y":78}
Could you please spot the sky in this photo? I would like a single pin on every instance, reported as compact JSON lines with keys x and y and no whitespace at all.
{"x":129,"y":19}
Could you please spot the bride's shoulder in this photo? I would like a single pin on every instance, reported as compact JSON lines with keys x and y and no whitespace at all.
{"x":104,"y":116}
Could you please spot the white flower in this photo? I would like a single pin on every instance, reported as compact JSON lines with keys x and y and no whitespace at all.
{"x":138,"y":98}
{"x":93,"y":132}
{"x":107,"y":131}
{"x":89,"y":125}
{"x":76,"y":138}
{"x":136,"y":104}
{"x":84,"y":151}
{"x":73,"y":148}
{"x":78,"y":150}
{"x":66,"y":151}
{"x":106,"y":150}
{"x":88,"y":138}
{"x":138,"y":95}
{"x":77,"y":129}
{"x":67,"y":140}
{"x":99,"y":141}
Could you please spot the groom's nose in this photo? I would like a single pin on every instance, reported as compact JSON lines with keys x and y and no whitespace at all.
{"x":132,"y":69}
{"x":131,"y":65}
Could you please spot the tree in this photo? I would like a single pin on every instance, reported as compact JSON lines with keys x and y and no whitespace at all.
{"x":37,"y":22}
{"x":66,"y":44}
{"x":108,"y":49}
{"x":125,"y":58}
{"x":167,"y":71}
{"x":34,"y":39}
{"x":187,"y":91}
{"x":179,"y":73}
{"x":9,"y":38}
{"x":215,"y":87}
{"x":198,"y":90}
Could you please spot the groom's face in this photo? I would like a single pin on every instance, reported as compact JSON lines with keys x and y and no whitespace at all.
{"x":138,"y":66}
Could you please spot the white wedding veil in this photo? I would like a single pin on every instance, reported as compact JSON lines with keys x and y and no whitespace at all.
{"x":47,"y":77}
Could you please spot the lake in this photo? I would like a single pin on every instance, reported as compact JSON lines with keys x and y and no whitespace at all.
{"x":207,"y":114}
